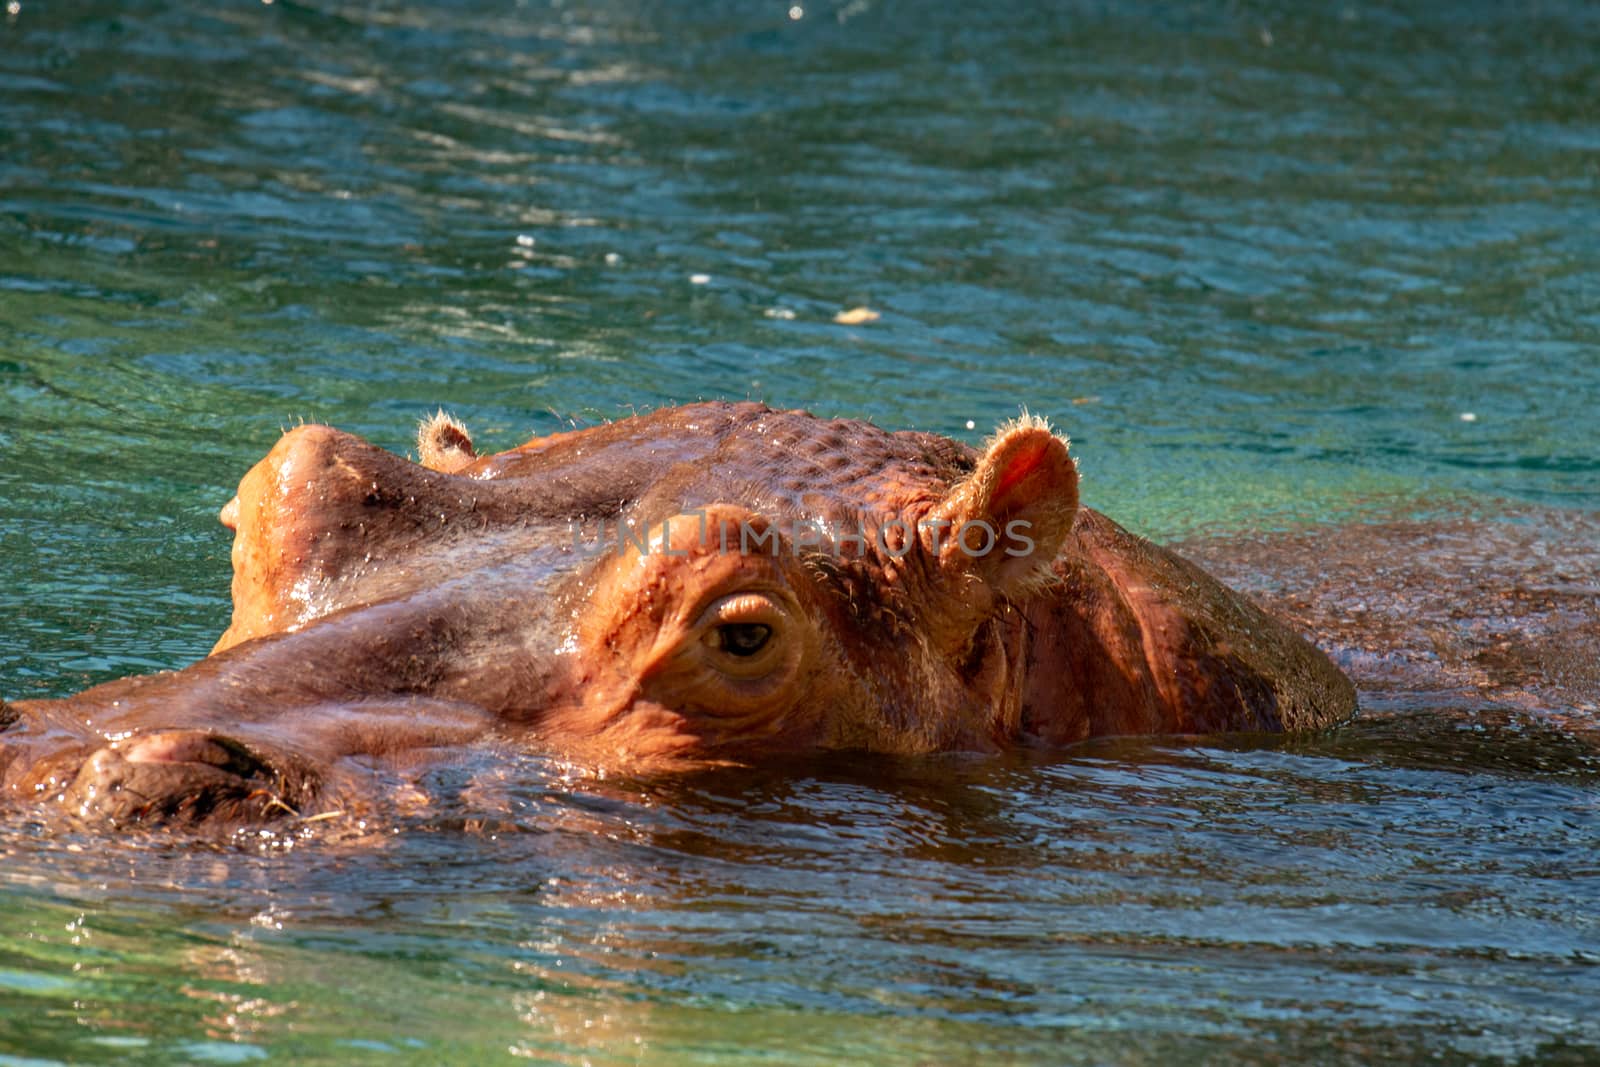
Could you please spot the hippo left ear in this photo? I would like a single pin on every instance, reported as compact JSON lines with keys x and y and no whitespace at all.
{"x":1006,"y":521}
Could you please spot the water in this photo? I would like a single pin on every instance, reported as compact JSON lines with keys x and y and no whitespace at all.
{"x":1269,"y":267}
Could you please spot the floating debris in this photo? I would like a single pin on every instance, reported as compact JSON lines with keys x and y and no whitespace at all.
{"x":856,"y":316}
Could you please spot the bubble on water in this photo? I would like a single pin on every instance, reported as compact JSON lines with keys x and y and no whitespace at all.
{"x":779,"y":313}
{"x":971,"y":425}
{"x":525,"y":240}
{"x":699,"y":279}
{"x":796,"y":13}
{"x":1469,"y":416}
{"x":613,"y":258}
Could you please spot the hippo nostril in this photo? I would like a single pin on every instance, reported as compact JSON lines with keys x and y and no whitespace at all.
{"x":223,"y":753}
{"x":181,"y":776}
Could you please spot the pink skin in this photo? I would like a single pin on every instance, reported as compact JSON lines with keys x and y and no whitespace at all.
{"x":388,"y":612}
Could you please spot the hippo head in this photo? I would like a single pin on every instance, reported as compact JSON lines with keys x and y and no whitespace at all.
{"x":701,"y":584}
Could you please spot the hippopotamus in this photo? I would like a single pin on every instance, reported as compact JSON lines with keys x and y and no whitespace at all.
{"x":713,"y":584}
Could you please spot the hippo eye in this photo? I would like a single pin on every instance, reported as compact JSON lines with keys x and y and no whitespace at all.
{"x":745,"y":651}
{"x":740,"y":639}
{"x":747,"y":639}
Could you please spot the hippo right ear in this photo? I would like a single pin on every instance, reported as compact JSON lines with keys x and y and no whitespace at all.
{"x":1005,"y":522}
{"x":443,"y":444}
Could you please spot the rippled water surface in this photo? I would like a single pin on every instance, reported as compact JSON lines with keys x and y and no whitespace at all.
{"x":1270,"y":266}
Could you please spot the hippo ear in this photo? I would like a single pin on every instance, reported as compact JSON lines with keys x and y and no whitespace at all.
{"x":1006,"y":521}
{"x":443,"y":444}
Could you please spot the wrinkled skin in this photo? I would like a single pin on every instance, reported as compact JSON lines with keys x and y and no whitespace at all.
{"x":388,"y":613}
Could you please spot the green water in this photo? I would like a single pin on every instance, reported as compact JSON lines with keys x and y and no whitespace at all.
{"x":1268,"y":266}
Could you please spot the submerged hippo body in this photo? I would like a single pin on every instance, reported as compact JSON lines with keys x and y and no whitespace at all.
{"x":704,"y":584}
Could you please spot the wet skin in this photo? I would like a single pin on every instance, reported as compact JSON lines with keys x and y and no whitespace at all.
{"x":712,"y":584}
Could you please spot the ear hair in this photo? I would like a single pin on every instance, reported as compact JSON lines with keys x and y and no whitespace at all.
{"x":443,"y":444}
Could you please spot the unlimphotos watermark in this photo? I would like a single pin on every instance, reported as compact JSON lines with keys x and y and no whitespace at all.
{"x":893,"y":537}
